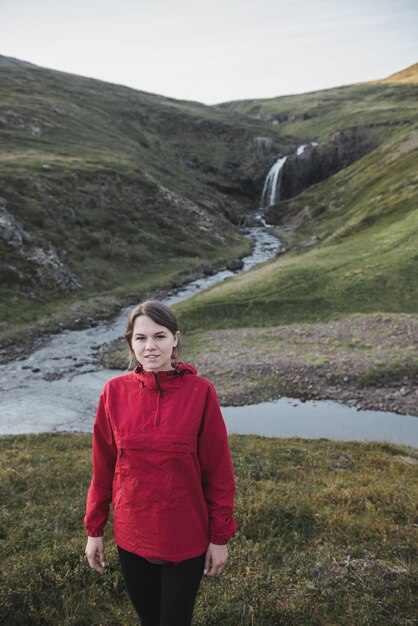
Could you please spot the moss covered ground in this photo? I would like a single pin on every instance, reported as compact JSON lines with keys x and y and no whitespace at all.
{"x":327,"y":536}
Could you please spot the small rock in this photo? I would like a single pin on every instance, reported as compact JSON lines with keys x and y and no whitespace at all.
{"x":235,"y":265}
{"x":282,"y":250}
{"x":312,"y":241}
{"x":51,"y":376}
{"x":208,"y":270}
{"x":345,"y":458}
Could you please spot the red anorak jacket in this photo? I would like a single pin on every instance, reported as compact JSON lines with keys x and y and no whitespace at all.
{"x":161,"y":456}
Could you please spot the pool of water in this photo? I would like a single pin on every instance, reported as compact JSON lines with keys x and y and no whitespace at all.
{"x":289,"y":417}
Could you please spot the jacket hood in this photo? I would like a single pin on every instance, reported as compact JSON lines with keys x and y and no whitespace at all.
{"x":165,"y":379}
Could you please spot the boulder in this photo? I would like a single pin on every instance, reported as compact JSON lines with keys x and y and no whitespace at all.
{"x":235,"y":265}
{"x":208,"y":270}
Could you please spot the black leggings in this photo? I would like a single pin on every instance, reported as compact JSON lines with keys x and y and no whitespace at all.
{"x":162,"y":595}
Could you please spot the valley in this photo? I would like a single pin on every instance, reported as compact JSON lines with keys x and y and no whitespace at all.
{"x":109,"y":195}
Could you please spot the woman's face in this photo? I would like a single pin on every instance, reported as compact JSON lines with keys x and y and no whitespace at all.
{"x":153,"y":344}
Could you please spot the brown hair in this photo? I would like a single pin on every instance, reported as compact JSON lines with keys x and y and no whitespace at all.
{"x":160,"y":314}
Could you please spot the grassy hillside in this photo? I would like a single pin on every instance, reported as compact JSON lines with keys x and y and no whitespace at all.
{"x":104,"y":189}
{"x":327,"y":535}
{"x":365,"y":217}
{"x":381,"y":107}
{"x":408,"y":75}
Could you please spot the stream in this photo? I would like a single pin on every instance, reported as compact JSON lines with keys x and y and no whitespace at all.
{"x":56,"y":388}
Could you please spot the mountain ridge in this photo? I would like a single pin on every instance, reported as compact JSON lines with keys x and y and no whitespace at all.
{"x":405,"y":75}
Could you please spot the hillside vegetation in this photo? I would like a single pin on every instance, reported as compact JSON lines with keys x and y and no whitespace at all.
{"x":381,"y":107}
{"x":364,"y":220}
{"x":408,"y":75}
{"x":108,"y":190}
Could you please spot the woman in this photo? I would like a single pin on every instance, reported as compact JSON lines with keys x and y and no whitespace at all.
{"x":161,"y":456}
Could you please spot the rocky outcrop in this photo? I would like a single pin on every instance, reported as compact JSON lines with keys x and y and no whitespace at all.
{"x":28,"y":123}
{"x":263,"y":146}
{"x":280,"y":118}
{"x":11,"y":230}
{"x":255,"y":161}
{"x":198,"y":218}
{"x":49,"y":270}
{"x":318,"y":162}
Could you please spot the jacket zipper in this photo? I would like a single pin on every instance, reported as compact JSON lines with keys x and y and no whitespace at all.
{"x":160,"y":395}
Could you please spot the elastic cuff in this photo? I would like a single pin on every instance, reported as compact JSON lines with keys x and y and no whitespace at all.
{"x":219,"y":541}
{"x":94,"y":533}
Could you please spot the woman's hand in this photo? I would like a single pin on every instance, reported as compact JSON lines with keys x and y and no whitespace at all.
{"x":95,"y":553}
{"x":215,"y":560}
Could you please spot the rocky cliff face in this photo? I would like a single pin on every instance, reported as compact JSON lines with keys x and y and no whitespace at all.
{"x":319,"y":162}
{"x":47,"y":269}
{"x":241,"y":180}
{"x":316,"y":163}
{"x":261,"y":152}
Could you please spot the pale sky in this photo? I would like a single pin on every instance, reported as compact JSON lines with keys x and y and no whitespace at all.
{"x":215,"y":50}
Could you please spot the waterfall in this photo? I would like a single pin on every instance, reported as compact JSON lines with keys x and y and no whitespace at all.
{"x":271,"y":189}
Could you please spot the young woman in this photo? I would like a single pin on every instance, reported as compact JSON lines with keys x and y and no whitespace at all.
{"x":161,"y":456}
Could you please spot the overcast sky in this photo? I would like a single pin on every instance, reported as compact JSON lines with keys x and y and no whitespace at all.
{"x":215,"y":50}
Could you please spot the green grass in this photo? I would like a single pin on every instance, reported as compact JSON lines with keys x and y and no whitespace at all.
{"x":327,"y":537}
{"x":364,"y":275}
{"x":382,"y":107}
{"x":366,"y":217}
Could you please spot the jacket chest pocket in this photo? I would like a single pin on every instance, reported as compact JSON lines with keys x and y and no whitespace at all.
{"x":155,"y":473}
